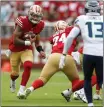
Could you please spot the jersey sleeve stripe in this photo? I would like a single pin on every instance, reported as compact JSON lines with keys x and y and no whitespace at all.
{"x":19,"y":22}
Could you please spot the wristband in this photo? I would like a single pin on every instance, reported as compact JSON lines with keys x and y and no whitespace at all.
{"x":27,"y":43}
{"x":39,"y":48}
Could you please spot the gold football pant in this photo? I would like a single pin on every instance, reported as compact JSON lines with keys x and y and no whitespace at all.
{"x":52,"y":66}
{"x":17,"y":57}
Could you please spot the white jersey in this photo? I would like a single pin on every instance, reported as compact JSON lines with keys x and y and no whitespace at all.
{"x":91,"y":26}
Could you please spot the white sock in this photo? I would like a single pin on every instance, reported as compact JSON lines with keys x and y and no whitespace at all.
{"x":31,"y":88}
{"x":90,"y":104}
{"x":13,"y":81}
{"x":67,"y":92}
{"x":22,"y":88}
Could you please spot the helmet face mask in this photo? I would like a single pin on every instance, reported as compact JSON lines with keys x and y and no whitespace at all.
{"x":35,"y":14}
{"x":92,"y":6}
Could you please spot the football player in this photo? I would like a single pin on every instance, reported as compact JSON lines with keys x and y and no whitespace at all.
{"x":27,"y":30}
{"x":90,"y":26}
{"x":78,"y":58}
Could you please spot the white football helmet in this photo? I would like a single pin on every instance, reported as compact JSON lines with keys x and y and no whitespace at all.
{"x":35,"y":14}
{"x":92,"y":6}
{"x":60,"y":25}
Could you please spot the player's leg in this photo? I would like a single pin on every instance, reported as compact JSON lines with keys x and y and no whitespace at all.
{"x":27,"y":60}
{"x":80,"y":93}
{"x":15,"y":66}
{"x":88,"y":67}
{"x":76,"y":84}
{"x":49,"y":69}
{"x":71,"y":72}
{"x":97,"y":96}
{"x":99,"y":73}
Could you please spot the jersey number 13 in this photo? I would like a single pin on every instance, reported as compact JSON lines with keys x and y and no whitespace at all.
{"x":95,"y":29}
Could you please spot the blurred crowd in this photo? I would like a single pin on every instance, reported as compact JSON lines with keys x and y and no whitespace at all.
{"x":53,"y":10}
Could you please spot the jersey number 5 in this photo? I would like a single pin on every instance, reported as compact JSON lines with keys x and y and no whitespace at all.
{"x":95,"y":29}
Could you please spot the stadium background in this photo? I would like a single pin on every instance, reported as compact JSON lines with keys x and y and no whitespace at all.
{"x":53,"y":11}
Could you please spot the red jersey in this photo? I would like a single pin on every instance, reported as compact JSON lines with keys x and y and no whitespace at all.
{"x":26,"y":26}
{"x":57,"y":40}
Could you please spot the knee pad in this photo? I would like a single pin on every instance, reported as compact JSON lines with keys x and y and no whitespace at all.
{"x":14,"y":73}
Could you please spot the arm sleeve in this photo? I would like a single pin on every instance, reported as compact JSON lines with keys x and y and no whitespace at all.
{"x":74,"y":33}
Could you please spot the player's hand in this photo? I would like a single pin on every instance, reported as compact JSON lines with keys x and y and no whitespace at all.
{"x":32,"y":39}
{"x":29,"y":41}
{"x":76,"y":56}
{"x":42,"y":55}
{"x":62,"y":62}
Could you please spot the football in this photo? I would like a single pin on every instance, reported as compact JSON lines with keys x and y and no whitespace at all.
{"x":29,"y":35}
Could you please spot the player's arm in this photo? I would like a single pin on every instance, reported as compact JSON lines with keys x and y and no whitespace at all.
{"x":39,"y":47}
{"x":73,"y":34}
{"x":37,"y":43}
{"x":17,"y":34}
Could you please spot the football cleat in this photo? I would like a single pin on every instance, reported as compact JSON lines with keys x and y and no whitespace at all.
{"x":67,"y":96}
{"x":81,"y":96}
{"x":27,"y":92}
{"x":75,"y":96}
{"x":97,"y":97}
{"x":21,"y":95}
{"x":12,"y":86}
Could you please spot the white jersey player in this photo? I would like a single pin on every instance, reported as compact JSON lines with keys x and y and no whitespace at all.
{"x":91,"y":28}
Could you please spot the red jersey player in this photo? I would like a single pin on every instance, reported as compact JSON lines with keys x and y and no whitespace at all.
{"x":27,"y":29}
{"x":57,"y":40}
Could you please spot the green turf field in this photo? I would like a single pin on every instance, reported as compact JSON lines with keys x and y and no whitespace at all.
{"x":49,"y":95}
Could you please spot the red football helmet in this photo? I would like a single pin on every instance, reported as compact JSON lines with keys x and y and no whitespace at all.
{"x":60,"y":25}
{"x":35,"y":14}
